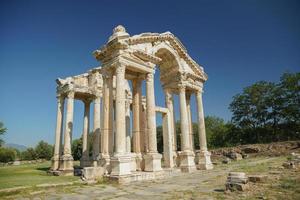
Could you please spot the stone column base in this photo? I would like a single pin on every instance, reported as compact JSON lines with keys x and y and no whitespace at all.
{"x":203,"y":160}
{"x":66,"y":166}
{"x":85,"y":162}
{"x":175,"y":159}
{"x":133,"y":162}
{"x":139,"y":162}
{"x":187,"y":161}
{"x":121,"y":165}
{"x":152,"y":162}
{"x":104,"y":161}
{"x":55,"y":163}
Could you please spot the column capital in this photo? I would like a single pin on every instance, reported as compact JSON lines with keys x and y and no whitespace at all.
{"x":70,"y":95}
{"x":181,"y":88}
{"x":60,"y":98}
{"x":120,"y":69}
{"x":199,"y":92}
{"x":149,"y":77}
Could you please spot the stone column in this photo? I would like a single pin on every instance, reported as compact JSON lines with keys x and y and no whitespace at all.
{"x":106,"y":121}
{"x":85,"y":159}
{"x":203,"y":156}
{"x":188,"y":106}
{"x":170,"y":106}
{"x":152,"y":158}
{"x":111,"y":137}
{"x":187,"y":163}
{"x":136,"y":115}
{"x":128,"y":130}
{"x":67,"y":158}
{"x":58,"y":132}
{"x":96,"y":131}
{"x":168,"y":140}
{"x":121,"y":162}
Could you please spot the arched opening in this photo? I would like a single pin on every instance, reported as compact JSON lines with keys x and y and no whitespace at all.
{"x":165,"y":79}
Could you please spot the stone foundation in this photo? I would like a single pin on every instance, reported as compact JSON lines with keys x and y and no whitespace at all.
{"x":121,"y":165}
{"x":203,"y":160}
{"x":153,"y":162}
{"x":144,"y":176}
{"x":187,"y":163}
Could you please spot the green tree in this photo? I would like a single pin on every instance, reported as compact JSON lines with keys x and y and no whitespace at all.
{"x":29,"y":154}
{"x":266,"y":112}
{"x":77,"y":148}
{"x":44,"y":150}
{"x":216,"y":132}
{"x":2,"y":131}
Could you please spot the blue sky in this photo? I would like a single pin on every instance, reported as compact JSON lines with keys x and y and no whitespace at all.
{"x":237,"y":43}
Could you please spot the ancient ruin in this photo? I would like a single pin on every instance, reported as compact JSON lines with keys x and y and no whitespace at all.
{"x":117,"y":149}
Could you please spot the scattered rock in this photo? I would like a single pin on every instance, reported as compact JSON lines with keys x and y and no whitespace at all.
{"x":245,"y":155}
{"x":289,"y":165}
{"x":235,"y":156}
{"x":251,"y":149}
{"x":17,"y":162}
{"x":257,"y":178}
{"x":226,"y":161}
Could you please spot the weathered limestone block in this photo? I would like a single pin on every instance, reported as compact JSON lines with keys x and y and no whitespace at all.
{"x":204,"y":161}
{"x":90,"y":174}
{"x":187,"y":161}
{"x":236,"y":181}
{"x":152,"y":162}
{"x":121,"y":165}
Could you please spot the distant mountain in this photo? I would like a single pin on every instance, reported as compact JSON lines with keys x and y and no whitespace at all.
{"x":16,"y":146}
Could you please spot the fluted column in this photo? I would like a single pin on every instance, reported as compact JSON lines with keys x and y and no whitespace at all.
{"x":203,"y":156}
{"x":128,"y":129}
{"x":120,"y":141}
{"x":67,"y":158}
{"x":188,"y":106}
{"x":137,"y":115}
{"x":107,"y":112}
{"x":152,"y":158}
{"x":187,"y":157}
{"x":151,"y":115}
{"x":111,"y":137}
{"x":121,"y":161}
{"x":96,"y":131}
{"x":185,"y":142}
{"x":84,"y":162}
{"x":58,"y":132}
{"x":201,"y":123}
{"x":136,"y":85}
{"x":170,"y":106}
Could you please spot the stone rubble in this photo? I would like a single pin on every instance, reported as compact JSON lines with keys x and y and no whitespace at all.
{"x":236,"y":181}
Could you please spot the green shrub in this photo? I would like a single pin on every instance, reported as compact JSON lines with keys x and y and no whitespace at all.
{"x":7,"y":154}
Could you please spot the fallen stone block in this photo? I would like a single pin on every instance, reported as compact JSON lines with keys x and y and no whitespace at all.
{"x":236,"y":186}
{"x":257,"y":178}
{"x":236,"y":181}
